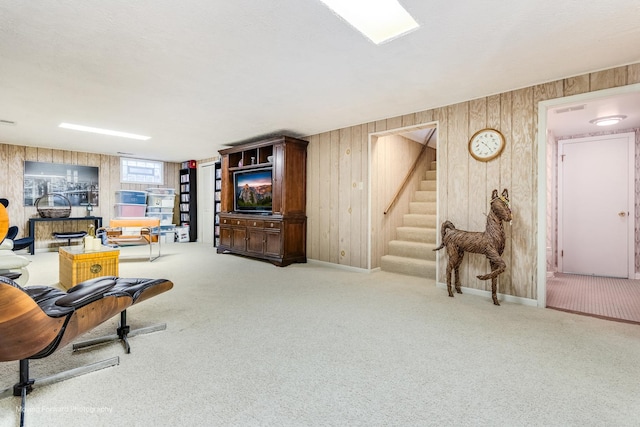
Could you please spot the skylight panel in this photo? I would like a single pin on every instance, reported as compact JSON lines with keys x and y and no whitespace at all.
{"x":378,"y":20}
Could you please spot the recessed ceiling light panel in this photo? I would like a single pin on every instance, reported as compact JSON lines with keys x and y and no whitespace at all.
{"x":103,"y":131}
{"x":379,"y":20}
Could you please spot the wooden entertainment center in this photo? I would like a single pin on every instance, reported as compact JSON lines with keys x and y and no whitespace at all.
{"x":278,"y":233}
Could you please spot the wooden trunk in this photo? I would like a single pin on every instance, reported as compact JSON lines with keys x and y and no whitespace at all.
{"x":78,"y":265}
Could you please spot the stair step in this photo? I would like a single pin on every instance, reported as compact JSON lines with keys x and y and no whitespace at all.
{"x":419,"y":220}
{"x":412,"y":253}
{"x":426,"y":208}
{"x":408,"y":266}
{"x":417,"y":250}
{"x":425,"y":196}
{"x":417,"y":234}
{"x":428,"y":185}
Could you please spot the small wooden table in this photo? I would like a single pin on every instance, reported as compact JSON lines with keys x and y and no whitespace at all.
{"x":78,"y":264}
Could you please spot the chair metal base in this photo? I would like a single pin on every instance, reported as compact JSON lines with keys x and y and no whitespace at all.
{"x":25,"y":384}
{"x":122,"y":333}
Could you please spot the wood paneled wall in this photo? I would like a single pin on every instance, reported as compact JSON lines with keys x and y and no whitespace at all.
{"x":338,"y":160}
{"x":12,"y":157}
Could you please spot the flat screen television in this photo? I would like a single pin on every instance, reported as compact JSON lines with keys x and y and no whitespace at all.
{"x":253,"y":190}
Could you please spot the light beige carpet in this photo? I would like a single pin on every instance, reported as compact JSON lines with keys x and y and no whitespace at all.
{"x":250,"y":344}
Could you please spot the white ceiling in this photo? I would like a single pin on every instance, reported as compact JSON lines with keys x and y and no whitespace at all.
{"x":196,"y":75}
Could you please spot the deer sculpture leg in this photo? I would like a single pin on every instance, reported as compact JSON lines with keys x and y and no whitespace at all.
{"x":497,"y":267}
{"x":457,"y":269}
{"x":449,"y":270}
{"x":494,"y":286}
{"x":494,"y":289}
{"x":455,"y":255}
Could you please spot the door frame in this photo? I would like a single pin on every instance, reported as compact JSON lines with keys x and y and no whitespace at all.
{"x":630,"y":136}
{"x":201,"y":189}
{"x":541,"y":232}
{"x":372,"y":138}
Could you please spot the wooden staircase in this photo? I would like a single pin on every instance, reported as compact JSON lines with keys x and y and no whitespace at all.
{"x":412,"y":253}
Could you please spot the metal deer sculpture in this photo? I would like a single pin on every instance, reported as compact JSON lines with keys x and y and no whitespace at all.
{"x":490,"y":242}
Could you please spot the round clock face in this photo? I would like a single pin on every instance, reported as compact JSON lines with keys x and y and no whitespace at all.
{"x":486,"y":144}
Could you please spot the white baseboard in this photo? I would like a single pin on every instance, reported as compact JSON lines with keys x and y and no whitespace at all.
{"x":501,"y":297}
{"x":340,"y":266}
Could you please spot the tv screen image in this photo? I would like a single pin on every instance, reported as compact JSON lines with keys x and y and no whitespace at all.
{"x":253,"y":190}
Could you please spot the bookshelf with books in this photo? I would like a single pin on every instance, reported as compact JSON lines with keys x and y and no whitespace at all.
{"x":217,"y":207}
{"x":188,"y":200}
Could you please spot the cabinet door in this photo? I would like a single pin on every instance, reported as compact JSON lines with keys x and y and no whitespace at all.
{"x":273,"y":243}
{"x":239,"y":239}
{"x":225,"y":236}
{"x":255,"y":243}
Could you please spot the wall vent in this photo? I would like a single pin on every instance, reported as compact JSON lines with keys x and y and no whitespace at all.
{"x":568,"y":109}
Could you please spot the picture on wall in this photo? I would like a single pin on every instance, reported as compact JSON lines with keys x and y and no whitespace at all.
{"x":77,"y":183}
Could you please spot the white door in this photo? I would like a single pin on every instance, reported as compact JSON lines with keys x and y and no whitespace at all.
{"x":205,"y":202}
{"x":595,"y":195}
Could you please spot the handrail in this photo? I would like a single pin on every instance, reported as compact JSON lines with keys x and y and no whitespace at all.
{"x":411,"y":171}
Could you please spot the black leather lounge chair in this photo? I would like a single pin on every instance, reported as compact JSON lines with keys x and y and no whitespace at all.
{"x":35,"y":321}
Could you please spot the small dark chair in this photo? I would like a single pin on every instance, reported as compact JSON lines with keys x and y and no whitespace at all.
{"x":18,"y":244}
{"x":69,"y":235}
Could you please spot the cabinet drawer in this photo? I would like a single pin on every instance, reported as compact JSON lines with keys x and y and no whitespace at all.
{"x":233,"y":221}
{"x":276,"y":225}
{"x":255,"y":223}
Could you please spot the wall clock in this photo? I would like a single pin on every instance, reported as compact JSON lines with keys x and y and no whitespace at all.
{"x":486,"y":144}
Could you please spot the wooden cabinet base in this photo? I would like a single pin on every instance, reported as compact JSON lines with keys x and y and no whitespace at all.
{"x":279,"y":240}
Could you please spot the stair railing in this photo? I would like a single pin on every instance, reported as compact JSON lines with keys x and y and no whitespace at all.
{"x":411,"y":171}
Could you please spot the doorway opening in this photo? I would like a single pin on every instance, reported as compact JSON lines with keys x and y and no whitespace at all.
{"x":206,"y":180}
{"x":574,"y":110}
{"x":394,"y":158}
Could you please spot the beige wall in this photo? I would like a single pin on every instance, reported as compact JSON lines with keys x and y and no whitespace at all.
{"x":338,"y":161}
{"x":12,"y":157}
{"x":338,"y":210}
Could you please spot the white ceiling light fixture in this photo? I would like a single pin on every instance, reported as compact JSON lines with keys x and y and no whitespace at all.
{"x":103,"y":131}
{"x":379,"y":20}
{"x":608,"y":120}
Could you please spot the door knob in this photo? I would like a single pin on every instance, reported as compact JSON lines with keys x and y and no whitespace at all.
{"x":622,"y":214}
